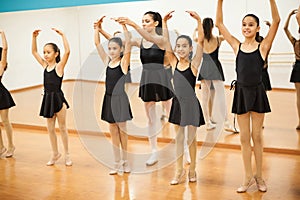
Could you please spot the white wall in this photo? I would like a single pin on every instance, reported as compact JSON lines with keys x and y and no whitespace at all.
{"x":77,"y":23}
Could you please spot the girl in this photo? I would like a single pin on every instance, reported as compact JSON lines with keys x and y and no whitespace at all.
{"x":295,"y":76}
{"x":54,"y":104}
{"x":6,"y":102}
{"x":155,"y":85}
{"x":186,"y":110}
{"x":211,"y":75}
{"x":116,"y":108}
{"x":250,"y":100}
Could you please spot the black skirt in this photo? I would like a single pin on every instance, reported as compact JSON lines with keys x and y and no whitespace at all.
{"x":52,"y":103}
{"x":6,"y":100}
{"x":250,"y":98}
{"x":295,"y":76}
{"x":155,"y":85}
{"x":186,"y":111}
{"x":116,"y":108}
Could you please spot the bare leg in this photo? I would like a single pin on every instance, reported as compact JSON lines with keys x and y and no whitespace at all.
{"x":151,"y":114}
{"x":115,"y":137}
{"x":179,"y":155}
{"x":53,"y":140}
{"x":297,"y":86}
{"x":167,"y":106}
{"x":123,"y":141}
{"x":192,"y":142}
{"x":244,"y":124}
{"x":8,"y":128}
{"x":61,"y":118}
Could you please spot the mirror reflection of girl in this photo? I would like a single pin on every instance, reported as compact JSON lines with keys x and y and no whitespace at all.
{"x":116,"y":108}
{"x":54,"y":104}
{"x":6,"y":102}
{"x":295,"y":76}
{"x":186,"y":111}
{"x":155,"y":86}
{"x":211,"y":76}
{"x":250,"y":101}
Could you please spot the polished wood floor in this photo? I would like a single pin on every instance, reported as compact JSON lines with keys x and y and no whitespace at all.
{"x":25,"y":176}
{"x":219,"y":169}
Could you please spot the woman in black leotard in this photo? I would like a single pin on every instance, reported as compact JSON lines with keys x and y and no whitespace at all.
{"x":186,"y":110}
{"x":6,"y":102}
{"x":295,"y":76}
{"x":250,"y":100}
{"x":116,"y":108}
{"x":54,"y":104}
{"x":155,"y":85}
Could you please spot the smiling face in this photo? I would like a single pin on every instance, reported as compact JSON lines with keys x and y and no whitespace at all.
{"x":49,"y":53}
{"x":183,"y":48}
{"x":148,"y":23}
{"x":114,"y":49}
{"x":250,"y":27}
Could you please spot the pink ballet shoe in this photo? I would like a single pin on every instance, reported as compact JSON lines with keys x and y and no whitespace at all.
{"x":244,"y":188}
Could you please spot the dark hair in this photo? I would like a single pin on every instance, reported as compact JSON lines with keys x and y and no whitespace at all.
{"x":117,"y":40}
{"x":188,"y":38}
{"x":1,"y":58}
{"x":207,"y":25}
{"x":56,"y":49}
{"x":157,"y":18}
{"x":257,"y":21}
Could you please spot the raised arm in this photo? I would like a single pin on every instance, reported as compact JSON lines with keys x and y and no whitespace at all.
{"x":125,"y":62}
{"x":61,"y":65}
{"x":103,"y":55}
{"x":233,"y":42}
{"x":286,"y":27}
{"x":3,"y":61}
{"x":298,"y":16}
{"x":157,"y":39}
{"x":268,"y":40}
{"x":169,"y":51}
{"x":198,"y":55}
{"x":34,"y":51}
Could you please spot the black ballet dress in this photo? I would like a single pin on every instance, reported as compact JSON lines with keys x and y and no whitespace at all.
{"x":211,"y":68}
{"x":249,"y":93}
{"x":186,"y":109}
{"x":295,"y":75}
{"x":115,"y":107}
{"x":155,"y":84}
{"x":53,"y":98}
{"x":6,"y":100}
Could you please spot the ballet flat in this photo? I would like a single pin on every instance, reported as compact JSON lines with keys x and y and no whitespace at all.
{"x":53,"y":160}
{"x":10,"y":152}
{"x":244,"y":188}
{"x":193,"y":178}
{"x":261,"y":185}
{"x":178,"y":178}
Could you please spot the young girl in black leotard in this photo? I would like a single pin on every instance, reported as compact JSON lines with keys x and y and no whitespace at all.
{"x":250,"y":100}
{"x":295,"y":76}
{"x":155,"y":85}
{"x":6,"y":102}
{"x":116,"y":108}
{"x":186,"y":110}
{"x":54,"y":104}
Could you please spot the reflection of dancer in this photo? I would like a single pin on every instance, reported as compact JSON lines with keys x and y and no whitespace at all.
{"x":154,"y":85}
{"x":295,"y":76}
{"x":250,"y":100}
{"x":6,"y":102}
{"x":186,"y":110}
{"x":116,"y":108}
{"x":212,"y":76}
{"x":54,"y":104}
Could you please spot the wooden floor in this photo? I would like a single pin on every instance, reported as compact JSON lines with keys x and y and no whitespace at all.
{"x":219,"y":169}
{"x":25,"y":176}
